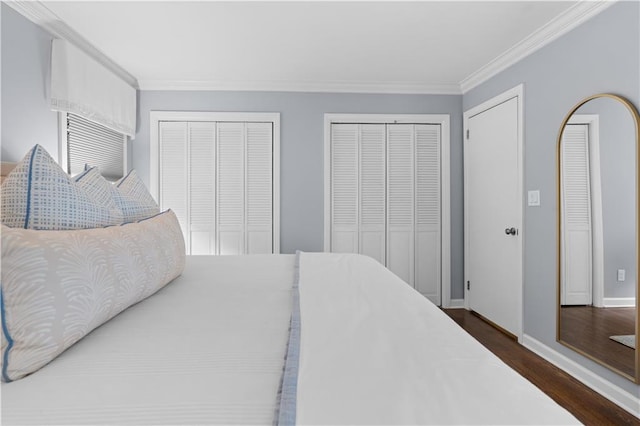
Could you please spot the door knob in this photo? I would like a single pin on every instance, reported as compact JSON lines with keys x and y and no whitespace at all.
{"x":510,"y":231}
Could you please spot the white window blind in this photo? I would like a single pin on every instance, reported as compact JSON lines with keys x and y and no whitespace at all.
{"x":95,"y":145}
{"x":82,"y":86}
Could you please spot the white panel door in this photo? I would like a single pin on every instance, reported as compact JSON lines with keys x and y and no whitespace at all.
{"x":427,"y":205}
{"x":400,"y":200}
{"x":201,"y":188}
{"x":259,"y":188}
{"x":173,"y":179}
{"x":344,"y":188}
{"x":372,"y":191}
{"x":576,"y":236}
{"x":230,"y":188}
{"x":494,"y":257}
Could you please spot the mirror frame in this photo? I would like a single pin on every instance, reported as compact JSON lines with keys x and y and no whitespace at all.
{"x":636,"y":117}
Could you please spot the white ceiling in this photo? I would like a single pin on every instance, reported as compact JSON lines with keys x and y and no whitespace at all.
{"x":420,"y":47}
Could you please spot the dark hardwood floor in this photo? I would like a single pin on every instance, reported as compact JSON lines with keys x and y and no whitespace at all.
{"x":588,"y":328}
{"x":586,"y":405}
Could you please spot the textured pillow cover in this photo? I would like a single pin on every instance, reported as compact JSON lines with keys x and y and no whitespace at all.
{"x":38,"y":194}
{"x":129,"y":194}
{"x":135,"y":201}
{"x":57,"y":286}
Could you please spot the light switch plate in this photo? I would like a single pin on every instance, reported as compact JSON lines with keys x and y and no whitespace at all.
{"x":534,"y":198}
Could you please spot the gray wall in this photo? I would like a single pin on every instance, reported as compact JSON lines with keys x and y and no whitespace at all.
{"x":602,"y":55}
{"x":301,"y":147}
{"x":26,"y":116}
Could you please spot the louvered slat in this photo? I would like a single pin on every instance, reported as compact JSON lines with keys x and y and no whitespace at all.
{"x":400,"y":174}
{"x":259,"y":175}
{"x":400,"y":201}
{"x":427,"y":201}
{"x":202,"y":213}
{"x":95,"y":145}
{"x":259,"y":185}
{"x":428,"y":175}
{"x":372,"y":174}
{"x":344,"y":174}
{"x":372,"y":191}
{"x":230,"y":187}
{"x":344,"y":188}
{"x":575,"y":176}
{"x":576,"y":241}
{"x":173,"y":171}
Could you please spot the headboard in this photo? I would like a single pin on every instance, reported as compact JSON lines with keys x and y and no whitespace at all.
{"x":6,"y":169}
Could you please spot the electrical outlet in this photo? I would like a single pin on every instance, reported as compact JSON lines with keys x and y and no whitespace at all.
{"x":621,"y":275}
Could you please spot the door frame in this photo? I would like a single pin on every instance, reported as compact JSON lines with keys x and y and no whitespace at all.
{"x":518,"y":93}
{"x":445,"y":180}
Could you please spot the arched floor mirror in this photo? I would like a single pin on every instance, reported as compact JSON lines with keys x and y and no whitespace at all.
{"x":597,"y":175}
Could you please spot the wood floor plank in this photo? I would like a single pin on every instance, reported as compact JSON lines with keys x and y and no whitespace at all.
{"x":588,"y":328}
{"x":586,"y":405}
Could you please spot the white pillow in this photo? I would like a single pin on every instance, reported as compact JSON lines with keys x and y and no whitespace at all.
{"x":57,"y":286}
{"x":38,"y":194}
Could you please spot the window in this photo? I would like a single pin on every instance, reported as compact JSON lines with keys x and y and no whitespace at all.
{"x":86,"y":142}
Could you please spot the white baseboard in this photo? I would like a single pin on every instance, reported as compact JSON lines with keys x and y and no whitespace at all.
{"x":615,"y":394}
{"x":456,"y":304}
{"x":619,"y":302}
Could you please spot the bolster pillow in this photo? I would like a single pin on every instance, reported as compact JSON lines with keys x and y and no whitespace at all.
{"x":57,"y":286}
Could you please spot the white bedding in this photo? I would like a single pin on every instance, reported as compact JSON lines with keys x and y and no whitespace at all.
{"x":208,"y":348}
{"x":362,"y":329}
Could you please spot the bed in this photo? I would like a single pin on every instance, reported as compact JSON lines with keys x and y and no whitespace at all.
{"x":310,"y":338}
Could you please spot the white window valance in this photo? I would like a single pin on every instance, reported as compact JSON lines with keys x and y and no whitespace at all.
{"x":82,"y":86}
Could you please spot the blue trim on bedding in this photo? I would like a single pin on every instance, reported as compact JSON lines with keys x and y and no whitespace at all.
{"x":26,"y":216}
{"x":150,"y":217}
{"x":5,"y":330}
{"x":83,"y":174}
{"x":123,"y":179}
{"x":289,"y":389}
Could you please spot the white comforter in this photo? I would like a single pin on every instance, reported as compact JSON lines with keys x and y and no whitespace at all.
{"x":374,"y":351}
{"x":207,"y":349}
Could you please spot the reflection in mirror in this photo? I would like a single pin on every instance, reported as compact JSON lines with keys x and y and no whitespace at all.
{"x":598,"y":251}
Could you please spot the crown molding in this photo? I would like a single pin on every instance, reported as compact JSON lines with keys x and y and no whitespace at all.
{"x":40,"y":15}
{"x":563,"y":23}
{"x":303,"y":86}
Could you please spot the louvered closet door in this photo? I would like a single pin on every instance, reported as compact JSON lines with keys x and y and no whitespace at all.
{"x":259,"y":188}
{"x":372,"y":173}
{"x":173,"y":171}
{"x":201,"y":188}
{"x":230,"y":191}
{"x":344,"y":188}
{"x":400,"y":200}
{"x":576,"y":247}
{"x":427,"y":199}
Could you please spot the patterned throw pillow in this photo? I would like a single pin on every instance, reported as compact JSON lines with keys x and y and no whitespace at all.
{"x":135,"y":200}
{"x":38,"y":194}
{"x":129,"y":194}
{"x":57,"y":286}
